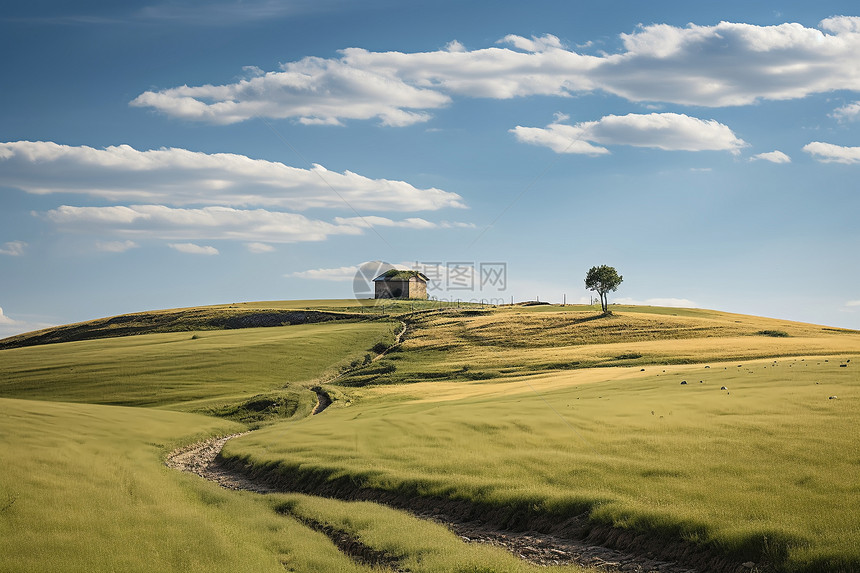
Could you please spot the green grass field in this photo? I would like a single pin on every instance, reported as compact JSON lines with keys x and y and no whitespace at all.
{"x":528,"y":412}
{"x":84,"y":489}
{"x":188,"y":370}
{"x":761,"y":471}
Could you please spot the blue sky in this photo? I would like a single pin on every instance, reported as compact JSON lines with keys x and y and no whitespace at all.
{"x":167,"y":154}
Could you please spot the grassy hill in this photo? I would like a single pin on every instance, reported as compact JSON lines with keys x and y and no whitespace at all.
{"x":471,"y":344}
{"x":541,"y":417}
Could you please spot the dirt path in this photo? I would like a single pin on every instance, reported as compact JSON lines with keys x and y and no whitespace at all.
{"x":323,"y":400}
{"x":202,"y":459}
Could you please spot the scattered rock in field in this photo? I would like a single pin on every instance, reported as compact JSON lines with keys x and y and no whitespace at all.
{"x":723,"y":388}
{"x":642,"y":370}
{"x":707,"y":366}
{"x":833,"y":398}
{"x":701,"y":381}
{"x":683,"y":382}
{"x":843,"y":365}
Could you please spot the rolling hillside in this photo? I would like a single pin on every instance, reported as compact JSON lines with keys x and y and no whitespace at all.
{"x":700,"y":436}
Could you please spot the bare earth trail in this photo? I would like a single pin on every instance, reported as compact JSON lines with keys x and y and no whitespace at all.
{"x":202,"y":459}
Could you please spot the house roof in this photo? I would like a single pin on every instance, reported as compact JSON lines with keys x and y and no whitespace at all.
{"x":398,"y":275}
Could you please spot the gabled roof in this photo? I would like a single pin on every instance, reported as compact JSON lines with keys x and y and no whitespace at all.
{"x":398,"y":275}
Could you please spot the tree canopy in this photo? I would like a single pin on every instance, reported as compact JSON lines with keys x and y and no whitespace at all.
{"x":602,"y":280}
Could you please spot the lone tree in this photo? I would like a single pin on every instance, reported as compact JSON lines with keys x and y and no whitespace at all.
{"x":603,"y":279}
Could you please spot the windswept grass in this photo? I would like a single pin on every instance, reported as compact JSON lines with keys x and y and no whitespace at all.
{"x":509,"y":409}
{"x":214,"y":370}
{"x":760,"y":471}
{"x":516,"y":340}
{"x":91,"y":494}
{"x":83,"y":489}
{"x":421,"y":545}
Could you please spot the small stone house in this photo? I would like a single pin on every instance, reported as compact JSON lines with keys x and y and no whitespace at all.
{"x":401,"y":284}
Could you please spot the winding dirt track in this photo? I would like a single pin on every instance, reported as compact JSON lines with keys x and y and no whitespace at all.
{"x":202,"y":459}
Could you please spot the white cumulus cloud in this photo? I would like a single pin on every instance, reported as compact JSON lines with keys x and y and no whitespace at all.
{"x":181,"y":177}
{"x":313,"y":90}
{"x":13,"y":248}
{"x":772,"y":156}
{"x":192,"y":249}
{"x":830,"y":153}
{"x":667,"y":131}
{"x":727,"y":64}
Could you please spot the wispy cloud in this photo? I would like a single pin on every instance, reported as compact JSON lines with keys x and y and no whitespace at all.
{"x":259,"y":247}
{"x":192,"y":249}
{"x":5,"y":320}
{"x":772,"y":156}
{"x":853,"y":303}
{"x":657,"y":63}
{"x":232,"y":12}
{"x":186,"y":13}
{"x":416,"y":223}
{"x":223,"y":223}
{"x":670,"y":302}
{"x":13,"y":248}
{"x":339,"y":274}
{"x":181,"y":177}
{"x":11,"y":327}
{"x":257,"y":228}
{"x":830,"y":153}
{"x":369,"y":270}
{"x":667,"y":131}
{"x":116,"y":246}
{"x":848,"y":112}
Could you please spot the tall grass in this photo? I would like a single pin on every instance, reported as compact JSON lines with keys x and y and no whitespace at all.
{"x":522,"y":340}
{"x":186,"y":369}
{"x":84,"y":490}
{"x":91,"y":494}
{"x":760,"y":471}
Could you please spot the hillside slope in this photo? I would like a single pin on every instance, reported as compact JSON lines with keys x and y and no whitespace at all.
{"x":225,"y":317}
{"x":513,"y":340}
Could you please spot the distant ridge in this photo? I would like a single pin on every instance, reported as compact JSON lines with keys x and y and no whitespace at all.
{"x":178,"y":320}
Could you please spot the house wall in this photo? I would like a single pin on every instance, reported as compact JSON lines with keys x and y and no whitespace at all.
{"x":417,"y":288}
{"x":392,"y":289}
{"x":413,"y":288}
